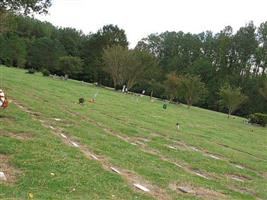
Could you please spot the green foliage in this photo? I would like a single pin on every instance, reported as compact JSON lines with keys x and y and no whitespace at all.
{"x":115,"y":59}
{"x":258,"y":118}
{"x":126,"y":66}
{"x":144,"y":68}
{"x":164,"y":106}
{"x":31,"y":28}
{"x":45,"y":72}
{"x":237,"y":58}
{"x":5,"y":21}
{"x":44,"y":53}
{"x":13,"y":51}
{"x":172,"y":85}
{"x":70,"y":65}
{"x":192,"y":89}
{"x":81,"y":100}
{"x":263,"y":90}
{"x":71,"y":39}
{"x":231,"y":98}
{"x":111,"y":35}
{"x":26,"y":6}
{"x":31,"y":71}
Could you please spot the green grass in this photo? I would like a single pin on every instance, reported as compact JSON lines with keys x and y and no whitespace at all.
{"x":130,"y":117}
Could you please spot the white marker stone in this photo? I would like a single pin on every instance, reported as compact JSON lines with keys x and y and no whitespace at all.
{"x":115,"y":170}
{"x":64,"y":136}
{"x":214,"y":157}
{"x":237,"y":179}
{"x":171,"y":147}
{"x":140,"y":187}
{"x":21,"y":107}
{"x":2,"y":176}
{"x":201,"y":175}
{"x":239,"y":167}
{"x":74,"y":144}
{"x":139,"y":142}
{"x":194,"y":149}
{"x":94,"y":157}
{"x":57,"y":119}
{"x":178,"y":165}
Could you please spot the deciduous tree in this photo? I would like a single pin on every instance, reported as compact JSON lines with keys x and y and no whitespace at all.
{"x":193,"y":90}
{"x":231,"y":98}
{"x":263,"y":90}
{"x":70,"y":65}
{"x":26,"y":6}
{"x":115,"y":59}
{"x":172,"y":85}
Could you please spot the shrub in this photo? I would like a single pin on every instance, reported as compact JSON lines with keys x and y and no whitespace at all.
{"x":81,"y":100}
{"x":31,"y":71}
{"x":164,"y":106}
{"x":45,"y":72}
{"x":258,"y":118}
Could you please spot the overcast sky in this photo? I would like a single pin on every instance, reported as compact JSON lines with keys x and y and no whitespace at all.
{"x":139,"y":18}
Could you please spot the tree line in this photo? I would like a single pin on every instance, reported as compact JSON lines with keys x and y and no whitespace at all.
{"x":202,"y":69}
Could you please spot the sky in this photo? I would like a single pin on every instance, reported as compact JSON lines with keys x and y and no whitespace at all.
{"x":139,"y":18}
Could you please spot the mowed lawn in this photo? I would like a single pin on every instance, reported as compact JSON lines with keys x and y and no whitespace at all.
{"x":212,"y":156}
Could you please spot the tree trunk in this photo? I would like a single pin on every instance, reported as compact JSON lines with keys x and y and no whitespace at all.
{"x":229,"y":113}
{"x":189,"y":103}
{"x":114,"y":84}
{"x":151,"y":95}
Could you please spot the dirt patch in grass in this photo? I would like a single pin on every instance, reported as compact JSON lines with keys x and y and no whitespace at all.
{"x":18,"y":136}
{"x":246,"y":191}
{"x":201,"y":192}
{"x":237,"y":177}
{"x":177,"y":146}
{"x":5,"y":118}
{"x":29,"y":111}
{"x":10,"y":172}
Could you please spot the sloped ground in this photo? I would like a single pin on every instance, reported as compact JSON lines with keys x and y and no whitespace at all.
{"x":58,"y":149}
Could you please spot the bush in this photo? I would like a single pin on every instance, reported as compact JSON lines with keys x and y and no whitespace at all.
{"x":31,"y":71}
{"x":81,"y":100}
{"x":45,"y":72}
{"x":258,"y":118}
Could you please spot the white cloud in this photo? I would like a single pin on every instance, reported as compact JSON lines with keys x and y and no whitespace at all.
{"x":142,"y":17}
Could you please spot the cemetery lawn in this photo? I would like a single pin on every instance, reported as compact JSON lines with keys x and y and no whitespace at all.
{"x":51,"y":147}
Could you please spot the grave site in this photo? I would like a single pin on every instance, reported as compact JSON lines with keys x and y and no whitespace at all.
{"x":54,"y":145}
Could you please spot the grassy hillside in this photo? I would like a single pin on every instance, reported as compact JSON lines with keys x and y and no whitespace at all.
{"x":53,"y":148}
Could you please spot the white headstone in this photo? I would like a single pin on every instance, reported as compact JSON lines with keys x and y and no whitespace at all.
{"x":2,"y":176}
{"x":237,"y":179}
{"x":201,"y":175}
{"x":140,"y":187}
{"x":171,"y":147}
{"x":94,"y":157}
{"x":74,"y":144}
{"x":239,"y":167}
{"x":115,"y":170}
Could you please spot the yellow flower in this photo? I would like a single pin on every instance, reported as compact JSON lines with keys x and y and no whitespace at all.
{"x":30,"y":195}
